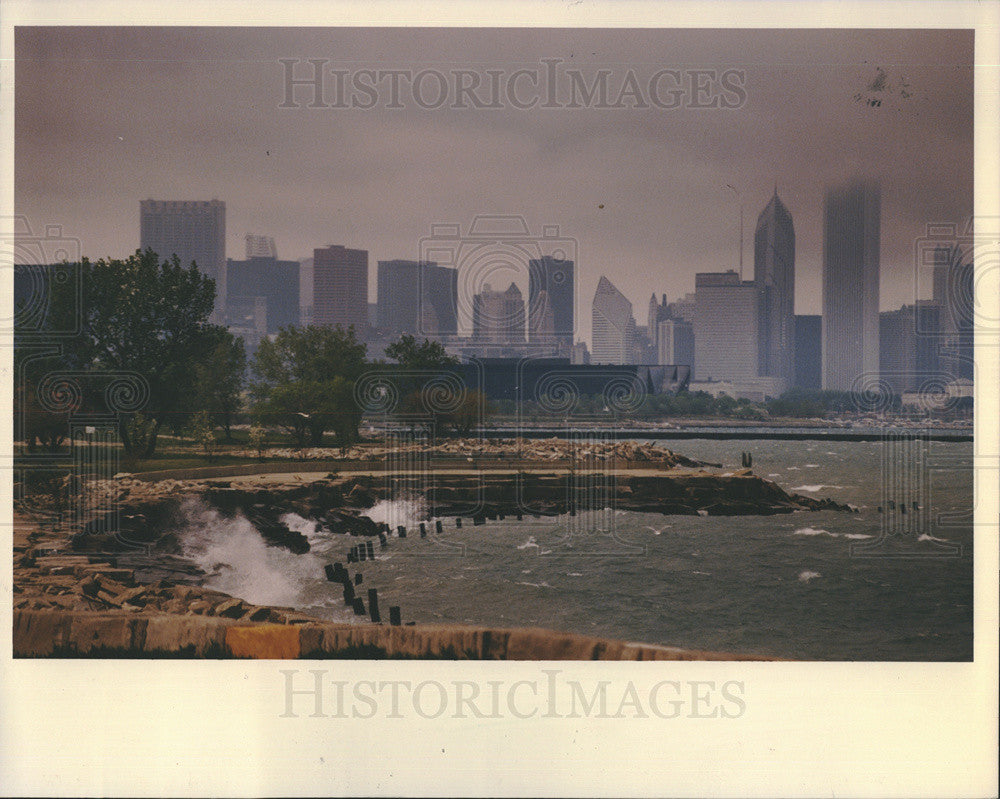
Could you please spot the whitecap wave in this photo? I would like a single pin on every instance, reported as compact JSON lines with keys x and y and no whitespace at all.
{"x":805,"y":575}
{"x":816,"y":531}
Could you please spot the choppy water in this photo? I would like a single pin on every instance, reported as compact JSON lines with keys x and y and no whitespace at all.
{"x":792,"y":586}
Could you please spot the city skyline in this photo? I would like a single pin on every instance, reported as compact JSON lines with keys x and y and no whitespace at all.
{"x":645,"y":193}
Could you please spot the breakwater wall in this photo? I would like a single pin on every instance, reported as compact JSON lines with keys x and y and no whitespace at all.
{"x":739,"y":433}
{"x":98,"y":635}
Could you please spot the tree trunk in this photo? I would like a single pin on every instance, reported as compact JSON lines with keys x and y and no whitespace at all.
{"x":316,"y":435}
{"x":127,"y":444}
{"x":151,"y":440}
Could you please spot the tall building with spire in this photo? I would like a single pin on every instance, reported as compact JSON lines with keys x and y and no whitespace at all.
{"x":613,"y":326}
{"x":851,"y":245}
{"x":774,"y":277}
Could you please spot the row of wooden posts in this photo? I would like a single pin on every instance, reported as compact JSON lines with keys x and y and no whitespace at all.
{"x":337,"y":573}
{"x":902,"y":506}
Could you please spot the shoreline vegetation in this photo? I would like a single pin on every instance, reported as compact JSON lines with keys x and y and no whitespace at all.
{"x":73,"y":573}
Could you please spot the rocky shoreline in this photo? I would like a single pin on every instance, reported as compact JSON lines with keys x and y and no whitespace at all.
{"x":89,"y":570}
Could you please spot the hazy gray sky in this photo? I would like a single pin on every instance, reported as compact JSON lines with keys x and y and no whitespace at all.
{"x":106,"y":117}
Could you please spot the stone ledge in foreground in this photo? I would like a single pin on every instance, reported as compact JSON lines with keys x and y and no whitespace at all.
{"x":106,"y":635}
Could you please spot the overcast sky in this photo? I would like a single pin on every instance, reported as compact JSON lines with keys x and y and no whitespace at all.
{"x":106,"y":117}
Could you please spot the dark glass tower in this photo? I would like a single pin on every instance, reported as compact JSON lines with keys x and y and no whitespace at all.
{"x":774,"y":275}
{"x":554,"y":277}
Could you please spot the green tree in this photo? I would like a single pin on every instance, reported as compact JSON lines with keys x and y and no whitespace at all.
{"x":417,"y":364}
{"x":305,"y":382}
{"x":219,"y":380}
{"x":141,"y":315}
{"x":427,"y":355}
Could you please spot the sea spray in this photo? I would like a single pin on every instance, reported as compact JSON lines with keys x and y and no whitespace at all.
{"x":238,"y":560}
{"x":405,"y":511}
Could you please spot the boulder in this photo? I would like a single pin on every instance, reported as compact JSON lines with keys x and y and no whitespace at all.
{"x":231,"y":609}
{"x":199,"y":607}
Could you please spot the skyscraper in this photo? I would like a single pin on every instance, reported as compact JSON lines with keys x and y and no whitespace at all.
{"x":908,"y":346}
{"x":498,"y":316}
{"x":613,"y":326}
{"x":676,"y":343}
{"x":808,"y":351}
{"x":263,"y":277}
{"x":418,"y":298}
{"x":774,"y":276}
{"x":193,"y":231}
{"x":439,"y":300}
{"x":954,"y":294}
{"x":851,"y":243}
{"x":555,"y":277}
{"x":398,"y":306}
{"x":260,"y":247}
{"x":340,"y":287}
{"x":726,"y":319}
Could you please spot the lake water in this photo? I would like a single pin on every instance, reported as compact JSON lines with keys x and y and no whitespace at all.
{"x":815,"y":586}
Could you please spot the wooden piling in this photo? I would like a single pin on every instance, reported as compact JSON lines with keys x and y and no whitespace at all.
{"x":373,"y":606}
{"x":348,"y":592}
{"x":331,"y":573}
{"x":438,"y":527}
{"x":395,"y":617}
{"x":370,"y":548}
{"x":458,"y":521}
{"x":423,"y":530}
{"x":359,"y":606}
{"x":358,"y":578}
{"x":401,"y":531}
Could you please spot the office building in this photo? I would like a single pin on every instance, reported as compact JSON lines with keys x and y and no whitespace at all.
{"x":438,"y":300}
{"x":954,"y":294}
{"x":498,"y":316}
{"x":340,"y":288}
{"x":725,"y":327}
{"x":809,"y":351}
{"x":260,"y":247}
{"x":774,"y":276}
{"x":675,"y":343}
{"x":416,"y":298}
{"x":909,"y":347}
{"x":613,"y":332}
{"x":194,"y":231}
{"x":659,"y":310}
{"x":263,"y":276}
{"x":851,"y":243}
{"x":554,"y":277}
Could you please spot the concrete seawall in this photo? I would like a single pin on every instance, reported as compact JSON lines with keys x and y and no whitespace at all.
{"x":97,"y":635}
